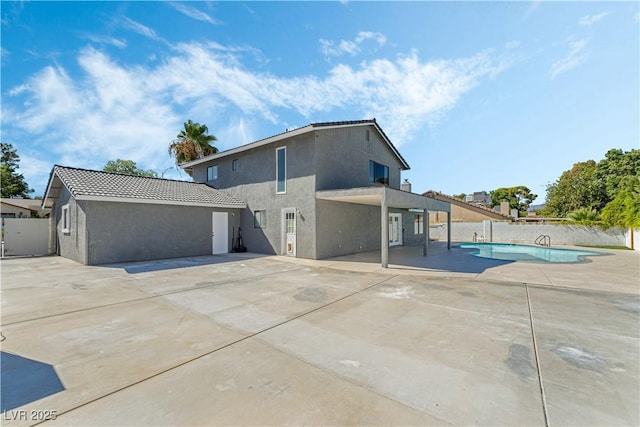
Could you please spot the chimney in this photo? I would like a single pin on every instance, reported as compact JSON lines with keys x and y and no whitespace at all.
{"x":406,"y":186}
{"x":505,"y":208}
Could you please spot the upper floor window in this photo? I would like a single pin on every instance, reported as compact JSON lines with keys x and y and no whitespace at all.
{"x":212,"y":173}
{"x":234,"y":164}
{"x":281,"y":170}
{"x":378,"y":173}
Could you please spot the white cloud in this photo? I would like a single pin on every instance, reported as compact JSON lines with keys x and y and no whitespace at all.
{"x":575,"y":57}
{"x":351,"y":47}
{"x":106,"y":40}
{"x":111,"y":111}
{"x":36,"y":172}
{"x":589,"y":20}
{"x":194,"y":13}
{"x":137,"y":27}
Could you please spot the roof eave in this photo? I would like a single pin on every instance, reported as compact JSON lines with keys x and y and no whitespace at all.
{"x":239,"y":205}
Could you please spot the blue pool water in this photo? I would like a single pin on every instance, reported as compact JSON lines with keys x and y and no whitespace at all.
{"x":512,"y":252}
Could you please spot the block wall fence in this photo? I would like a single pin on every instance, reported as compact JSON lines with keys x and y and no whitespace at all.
{"x":515,"y":232}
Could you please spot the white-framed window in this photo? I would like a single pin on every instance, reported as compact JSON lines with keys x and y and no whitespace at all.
{"x":260,"y":219}
{"x":212,"y":173}
{"x":234,"y":164}
{"x":418,"y":224}
{"x":66,"y":219}
{"x":367,"y":135}
{"x":281,"y":170}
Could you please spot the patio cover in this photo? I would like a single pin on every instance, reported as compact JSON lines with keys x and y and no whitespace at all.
{"x":386,"y":198}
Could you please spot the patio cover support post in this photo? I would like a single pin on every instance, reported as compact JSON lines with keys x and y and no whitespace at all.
{"x":448,"y":230}
{"x":425,"y":229}
{"x":384,"y":231}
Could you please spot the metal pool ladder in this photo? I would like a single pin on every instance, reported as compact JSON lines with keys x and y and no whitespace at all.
{"x":543,"y":240}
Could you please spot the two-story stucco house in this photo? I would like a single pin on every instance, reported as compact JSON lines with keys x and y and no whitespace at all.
{"x":323,"y":190}
{"x":319,"y":191}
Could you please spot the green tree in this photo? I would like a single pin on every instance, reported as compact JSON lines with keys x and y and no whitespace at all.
{"x":193,"y":142}
{"x":575,"y":189}
{"x":614,"y":168}
{"x":624,"y":209}
{"x":585,"y":216}
{"x":519,"y":197}
{"x":12,"y":183}
{"x":127,"y":167}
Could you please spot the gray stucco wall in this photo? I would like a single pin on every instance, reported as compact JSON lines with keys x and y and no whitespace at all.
{"x":348,"y":228}
{"x":254,"y":182}
{"x":122,"y":232}
{"x":408,"y":222}
{"x":343,"y":154}
{"x":72,"y":245}
{"x":318,"y":160}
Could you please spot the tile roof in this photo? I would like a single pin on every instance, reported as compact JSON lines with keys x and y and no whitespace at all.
{"x":86,"y":184}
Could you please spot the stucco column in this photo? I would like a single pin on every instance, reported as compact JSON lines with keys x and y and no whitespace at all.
{"x":384,"y":231}
{"x":448,"y":230}
{"x":425,"y":225}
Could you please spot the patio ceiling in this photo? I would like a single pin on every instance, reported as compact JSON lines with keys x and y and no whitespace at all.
{"x":374,"y":196}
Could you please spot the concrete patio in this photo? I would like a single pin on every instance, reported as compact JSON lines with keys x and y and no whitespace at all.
{"x":243,"y":339}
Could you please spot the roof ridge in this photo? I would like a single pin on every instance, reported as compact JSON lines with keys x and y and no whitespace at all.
{"x":468,"y":203}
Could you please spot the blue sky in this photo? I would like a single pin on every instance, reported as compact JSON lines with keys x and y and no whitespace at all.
{"x":476,"y":95}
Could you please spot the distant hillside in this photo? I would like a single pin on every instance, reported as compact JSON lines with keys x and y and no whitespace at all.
{"x":534,"y":208}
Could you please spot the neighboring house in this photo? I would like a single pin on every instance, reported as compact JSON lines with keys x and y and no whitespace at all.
{"x":21,"y":208}
{"x":462,"y":211}
{"x":481,"y":197}
{"x":323,"y":190}
{"x":100,"y":218}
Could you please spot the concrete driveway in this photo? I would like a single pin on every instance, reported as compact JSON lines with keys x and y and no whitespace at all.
{"x":243,"y":339}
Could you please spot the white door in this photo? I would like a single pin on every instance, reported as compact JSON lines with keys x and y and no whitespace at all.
{"x":395,"y":229}
{"x":219,"y":233}
{"x":289,"y":228}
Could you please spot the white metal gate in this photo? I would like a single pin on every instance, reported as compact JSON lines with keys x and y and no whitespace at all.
{"x":25,"y":236}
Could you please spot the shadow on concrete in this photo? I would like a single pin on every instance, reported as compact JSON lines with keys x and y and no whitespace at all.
{"x":439,"y":258}
{"x":174,"y":263}
{"x":25,"y":381}
{"x":455,"y":260}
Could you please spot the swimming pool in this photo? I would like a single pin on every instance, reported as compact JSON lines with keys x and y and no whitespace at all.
{"x":513,"y":252}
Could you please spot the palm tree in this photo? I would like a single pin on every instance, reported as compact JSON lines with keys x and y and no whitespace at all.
{"x":192,"y":143}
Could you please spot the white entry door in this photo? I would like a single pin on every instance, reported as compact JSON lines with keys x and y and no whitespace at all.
{"x":289,"y":229}
{"x":395,"y":229}
{"x":220,"y":233}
